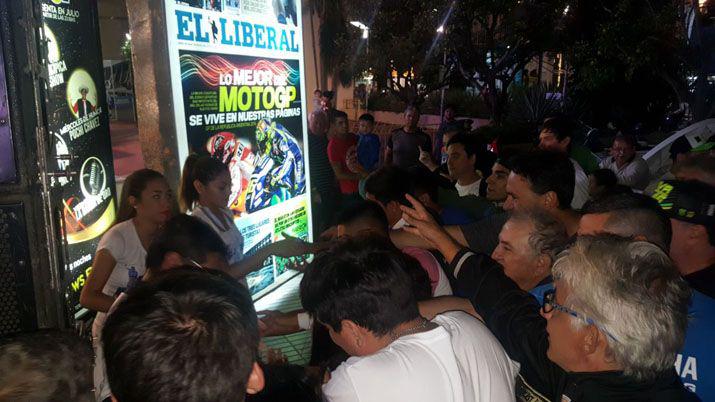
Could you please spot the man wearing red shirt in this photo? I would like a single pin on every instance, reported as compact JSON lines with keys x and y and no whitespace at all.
{"x":341,"y":152}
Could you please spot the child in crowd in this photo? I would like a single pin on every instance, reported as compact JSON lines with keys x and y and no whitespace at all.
{"x":368,"y":148}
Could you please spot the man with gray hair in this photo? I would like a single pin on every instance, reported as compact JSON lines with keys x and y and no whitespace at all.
{"x":640,"y":217}
{"x":610,"y":330}
{"x":528,"y":244}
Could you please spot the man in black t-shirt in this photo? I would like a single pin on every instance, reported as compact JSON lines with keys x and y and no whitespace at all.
{"x":403,"y":146}
{"x":322,"y":179}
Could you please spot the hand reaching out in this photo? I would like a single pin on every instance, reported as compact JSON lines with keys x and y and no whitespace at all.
{"x":274,"y":323}
{"x":291,"y":246}
{"x":423,"y":224}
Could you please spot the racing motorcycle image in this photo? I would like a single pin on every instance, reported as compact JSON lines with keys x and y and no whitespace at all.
{"x":279,"y":172}
{"x":271,"y":175}
{"x":225,"y":147}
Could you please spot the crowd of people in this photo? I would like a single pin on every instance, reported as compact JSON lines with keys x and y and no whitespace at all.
{"x":443,"y":272}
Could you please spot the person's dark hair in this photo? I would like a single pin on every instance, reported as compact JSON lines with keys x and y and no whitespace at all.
{"x":46,"y":365}
{"x":680,"y":146}
{"x":388,"y":183}
{"x":426,"y":185}
{"x":133,"y":186}
{"x":627,"y":139}
{"x":336,"y":114}
{"x":547,"y":171}
{"x":605,"y":178}
{"x":505,"y":158}
{"x":364,"y":211}
{"x":362,"y":280}
{"x":563,"y":127}
{"x":190,"y":334}
{"x":633,"y":214}
{"x":189,"y":237}
{"x":367,"y":117}
{"x":203,"y":168}
{"x":471,"y":145}
{"x":450,"y":106}
{"x":328,"y":94}
{"x":327,"y":355}
{"x":318,"y":91}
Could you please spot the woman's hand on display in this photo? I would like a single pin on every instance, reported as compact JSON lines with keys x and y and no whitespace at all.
{"x":291,"y":246}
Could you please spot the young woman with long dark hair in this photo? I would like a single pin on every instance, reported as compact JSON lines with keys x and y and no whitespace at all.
{"x":205,"y":191}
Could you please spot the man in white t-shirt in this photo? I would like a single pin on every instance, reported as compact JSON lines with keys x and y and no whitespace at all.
{"x":366,"y":218}
{"x":359,"y":290}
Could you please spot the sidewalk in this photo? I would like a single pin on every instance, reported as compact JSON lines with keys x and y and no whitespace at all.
{"x":126,"y":149}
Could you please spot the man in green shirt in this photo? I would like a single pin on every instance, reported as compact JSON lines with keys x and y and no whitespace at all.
{"x":557,"y":135}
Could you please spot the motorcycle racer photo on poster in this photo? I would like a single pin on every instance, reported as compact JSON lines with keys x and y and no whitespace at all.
{"x":279,"y":174}
{"x":225,"y":147}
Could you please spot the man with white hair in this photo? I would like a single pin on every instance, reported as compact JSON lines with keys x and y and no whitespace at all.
{"x":528,"y":244}
{"x":610,"y":330}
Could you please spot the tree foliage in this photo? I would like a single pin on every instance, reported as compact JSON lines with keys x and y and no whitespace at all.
{"x":627,"y":56}
{"x":487,"y":42}
{"x":618,"y":52}
{"x":404,"y":52}
{"x":493,"y":40}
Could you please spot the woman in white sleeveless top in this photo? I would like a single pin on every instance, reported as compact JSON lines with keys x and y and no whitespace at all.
{"x":205,"y":192}
{"x":145,"y":205}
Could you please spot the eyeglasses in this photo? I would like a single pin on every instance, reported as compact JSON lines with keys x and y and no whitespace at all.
{"x":549,"y":304}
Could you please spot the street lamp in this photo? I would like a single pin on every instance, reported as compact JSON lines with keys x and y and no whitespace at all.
{"x":365,"y":35}
{"x":359,"y":24}
{"x":440,"y":31}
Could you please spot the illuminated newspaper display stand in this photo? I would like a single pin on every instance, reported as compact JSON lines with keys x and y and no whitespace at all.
{"x":238,"y":95}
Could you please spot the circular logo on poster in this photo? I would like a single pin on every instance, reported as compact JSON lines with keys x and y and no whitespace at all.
{"x":58,"y":2}
{"x":81,"y":93}
{"x":93,"y":177}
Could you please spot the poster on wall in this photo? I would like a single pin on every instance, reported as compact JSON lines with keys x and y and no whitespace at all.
{"x":78,"y":126}
{"x":237,"y":72}
{"x":8,"y":170}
